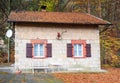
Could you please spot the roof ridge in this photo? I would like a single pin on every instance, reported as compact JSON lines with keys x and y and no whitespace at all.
{"x":47,"y":12}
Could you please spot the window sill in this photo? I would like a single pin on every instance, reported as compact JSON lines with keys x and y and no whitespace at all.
{"x":39,"y":57}
{"x":79,"y":57}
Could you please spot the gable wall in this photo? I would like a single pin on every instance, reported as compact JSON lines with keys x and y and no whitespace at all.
{"x":23,"y":35}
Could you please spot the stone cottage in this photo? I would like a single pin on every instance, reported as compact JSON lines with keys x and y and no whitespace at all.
{"x":56,"y":41}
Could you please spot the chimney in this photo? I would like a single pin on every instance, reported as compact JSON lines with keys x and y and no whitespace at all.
{"x":43,"y":8}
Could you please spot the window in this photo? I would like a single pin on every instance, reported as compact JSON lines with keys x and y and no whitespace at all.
{"x":38,"y":50}
{"x":78,"y":50}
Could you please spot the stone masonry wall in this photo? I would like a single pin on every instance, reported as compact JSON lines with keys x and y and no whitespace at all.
{"x":25,"y":32}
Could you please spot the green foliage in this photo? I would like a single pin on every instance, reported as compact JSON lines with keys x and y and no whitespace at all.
{"x":49,"y":3}
{"x":32,"y":5}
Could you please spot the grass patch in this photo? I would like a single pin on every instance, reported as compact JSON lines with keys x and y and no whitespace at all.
{"x":5,"y":64}
{"x":4,"y":73}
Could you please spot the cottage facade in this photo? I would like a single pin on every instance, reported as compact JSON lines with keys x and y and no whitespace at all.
{"x":62,"y":41}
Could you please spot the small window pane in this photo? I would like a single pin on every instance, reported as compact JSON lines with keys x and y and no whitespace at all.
{"x":36,"y":49}
{"x":75,"y":49}
{"x":41,"y":50}
{"x":80,"y":50}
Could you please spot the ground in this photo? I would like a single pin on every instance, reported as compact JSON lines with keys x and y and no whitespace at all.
{"x":112,"y":76}
{"x":28,"y":78}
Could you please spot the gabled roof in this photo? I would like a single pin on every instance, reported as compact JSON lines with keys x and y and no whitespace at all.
{"x":55,"y":17}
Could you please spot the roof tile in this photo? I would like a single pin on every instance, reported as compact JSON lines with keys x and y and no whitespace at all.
{"x":55,"y":17}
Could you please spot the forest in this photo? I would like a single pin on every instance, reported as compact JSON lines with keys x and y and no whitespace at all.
{"x":106,"y":9}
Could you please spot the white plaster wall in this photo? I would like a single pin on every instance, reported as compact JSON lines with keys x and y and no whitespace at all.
{"x":23,"y":35}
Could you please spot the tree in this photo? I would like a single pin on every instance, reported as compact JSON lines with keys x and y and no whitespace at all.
{"x":110,"y":39}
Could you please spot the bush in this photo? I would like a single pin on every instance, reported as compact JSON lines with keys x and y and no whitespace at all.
{"x":116,"y":62}
{"x":3,"y":56}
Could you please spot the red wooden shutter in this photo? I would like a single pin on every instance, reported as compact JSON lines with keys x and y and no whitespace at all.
{"x":29,"y":50}
{"x":49,"y":50}
{"x":69,"y":50}
{"x":88,"y":50}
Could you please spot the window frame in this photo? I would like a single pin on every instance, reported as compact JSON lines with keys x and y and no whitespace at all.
{"x":38,"y":41}
{"x":81,"y":42}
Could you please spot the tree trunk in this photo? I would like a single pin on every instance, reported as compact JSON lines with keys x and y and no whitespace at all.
{"x":88,"y":6}
{"x":99,"y":9}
